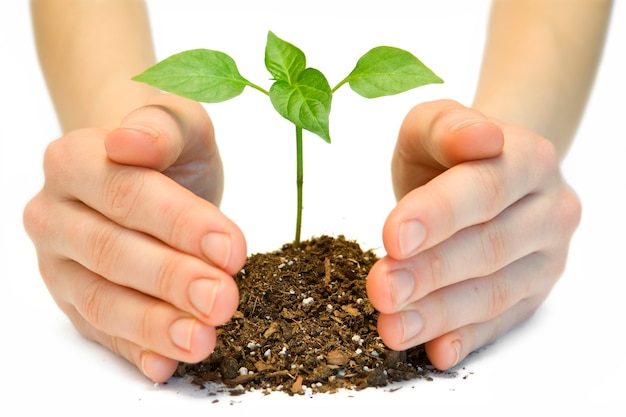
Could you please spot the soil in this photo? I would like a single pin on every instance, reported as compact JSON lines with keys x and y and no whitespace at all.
{"x":304,"y":323}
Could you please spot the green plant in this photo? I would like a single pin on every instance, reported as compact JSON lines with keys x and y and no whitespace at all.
{"x":301,"y":95}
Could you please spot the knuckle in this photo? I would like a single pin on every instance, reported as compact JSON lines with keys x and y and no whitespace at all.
{"x":176,"y":218}
{"x":38,"y":226}
{"x":547,"y":154}
{"x":166,"y":283}
{"x":570,"y":211}
{"x":493,"y":244}
{"x":115,"y":345}
{"x":122,"y":192}
{"x":91,"y":305}
{"x":82,"y":325}
{"x":563,"y":216}
{"x":490,"y":184}
{"x":499,"y":298}
{"x":443,"y":207}
{"x":34,"y":217}
{"x":151,"y":328}
{"x":547,"y":163}
{"x":446,"y":317}
{"x":56,"y":158}
{"x":495,"y":329}
{"x":52,"y":270}
{"x":102,"y":246}
{"x":430,"y":267}
{"x":551,"y":267}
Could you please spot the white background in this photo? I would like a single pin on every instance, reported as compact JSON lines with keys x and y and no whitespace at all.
{"x":568,"y":357}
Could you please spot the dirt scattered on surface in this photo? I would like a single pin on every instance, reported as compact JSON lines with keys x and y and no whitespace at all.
{"x":305,"y":323}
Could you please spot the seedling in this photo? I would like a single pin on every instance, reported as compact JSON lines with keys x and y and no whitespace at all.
{"x":301,"y":95}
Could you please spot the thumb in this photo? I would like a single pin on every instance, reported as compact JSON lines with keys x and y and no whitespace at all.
{"x":164,"y":131}
{"x":437,"y":135}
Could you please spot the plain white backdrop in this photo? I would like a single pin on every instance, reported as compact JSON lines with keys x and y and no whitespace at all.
{"x":569,"y":356}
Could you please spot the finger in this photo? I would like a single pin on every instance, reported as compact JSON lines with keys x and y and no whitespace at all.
{"x":448,"y":350}
{"x":142,"y":199}
{"x":472,"y":252}
{"x":121,"y":313}
{"x":437,"y":135}
{"x":467,"y":194}
{"x":156,"y":367}
{"x":55,"y":272}
{"x":135,"y":260}
{"x":472,"y":301}
{"x":162,"y":132}
{"x":175,"y":136}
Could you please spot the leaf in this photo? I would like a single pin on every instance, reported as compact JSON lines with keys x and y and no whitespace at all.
{"x":283,"y":60}
{"x":385,"y":71}
{"x":306,"y":103}
{"x":301,"y":95}
{"x":198,"y":74}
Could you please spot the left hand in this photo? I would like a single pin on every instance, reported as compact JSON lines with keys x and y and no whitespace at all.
{"x":130,"y":241}
{"x":479,"y":236}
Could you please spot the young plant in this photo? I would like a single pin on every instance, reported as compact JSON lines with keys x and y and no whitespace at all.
{"x":300,"y":94}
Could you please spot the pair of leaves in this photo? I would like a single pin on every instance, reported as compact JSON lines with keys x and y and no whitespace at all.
{"x":301,"y":95}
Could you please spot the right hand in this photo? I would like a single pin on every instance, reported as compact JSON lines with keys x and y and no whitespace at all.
{"x":129,"y":238}
{"x":480,"y":234}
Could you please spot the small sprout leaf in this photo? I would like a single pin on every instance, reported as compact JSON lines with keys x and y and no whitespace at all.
{"x":199,"y":74}
{"x":301,"y":95}
{"x":386,"y":71}
{"x":306,"y":103}
{"x":283,"y":60}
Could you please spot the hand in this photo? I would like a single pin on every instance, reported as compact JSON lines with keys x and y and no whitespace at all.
{"x":479,"y":236}
{"x":129,"y":243}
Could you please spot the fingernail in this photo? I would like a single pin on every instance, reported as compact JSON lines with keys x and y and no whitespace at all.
{"x":181,"y":332}
{"x":202,"y":293}
{"x":141,"y":130}
{"x":401,"y":284}
{"x":412,"y":324}
{"x":456,"y":346}
{"x":216,"y":247}
{"x":156,"y":367}
{"x":145,"y":364}
{"x":465,"y":123}
{"x":412,"y":234}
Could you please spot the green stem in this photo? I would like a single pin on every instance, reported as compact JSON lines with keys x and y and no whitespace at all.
{"x":299,"y":182}
{"x":256,"y":87}
{"x":345,"y":80}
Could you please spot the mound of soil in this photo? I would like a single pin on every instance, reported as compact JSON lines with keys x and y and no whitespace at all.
{"x":305,"y":323}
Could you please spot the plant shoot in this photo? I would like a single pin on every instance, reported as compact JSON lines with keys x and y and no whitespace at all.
{"x":299,"y":93}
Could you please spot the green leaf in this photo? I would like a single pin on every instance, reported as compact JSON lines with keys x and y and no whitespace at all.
{"x":283,"y":60}
{"x":198,"y":74}
{"x":385,"y":71}
{"x":306,"y":103}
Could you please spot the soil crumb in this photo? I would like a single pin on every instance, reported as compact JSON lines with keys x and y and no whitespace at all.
{"x":305,"y":323}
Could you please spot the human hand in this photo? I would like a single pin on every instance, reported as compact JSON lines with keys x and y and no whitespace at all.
{"x":479,"y":236}
{"x":138,"y":262}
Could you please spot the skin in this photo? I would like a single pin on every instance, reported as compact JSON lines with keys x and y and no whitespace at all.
{"x":481,"y":230}
{"x":134,"y":249}
{"x":118,"y":196}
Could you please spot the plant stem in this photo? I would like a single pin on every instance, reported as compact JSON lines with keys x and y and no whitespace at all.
{"x":256,"y":87}
{"x":299,"y":182}
{"x":345,"y":80}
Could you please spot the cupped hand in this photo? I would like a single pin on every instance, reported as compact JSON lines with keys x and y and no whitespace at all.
{"x":130,"y":241}
{"x":479,"y":236}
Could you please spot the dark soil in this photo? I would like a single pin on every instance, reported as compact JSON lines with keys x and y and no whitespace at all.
{"x":304,"y":322}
